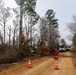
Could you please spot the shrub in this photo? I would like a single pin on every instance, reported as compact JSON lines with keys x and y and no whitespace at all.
{"x":11,"y":55}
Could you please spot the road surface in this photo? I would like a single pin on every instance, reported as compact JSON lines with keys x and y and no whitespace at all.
{"x":43,"y":66}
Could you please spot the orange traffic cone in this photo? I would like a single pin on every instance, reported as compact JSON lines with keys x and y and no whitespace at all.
{"x":29,"y":64}
{"x":56,"y":66}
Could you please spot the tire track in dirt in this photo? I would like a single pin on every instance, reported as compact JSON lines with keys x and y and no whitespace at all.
{"x":44,"y":66}
{"x":21,"y":68}
{"x":40,"y":68}
{"x":65,"y":66}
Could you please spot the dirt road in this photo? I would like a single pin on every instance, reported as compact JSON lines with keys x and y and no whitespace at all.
{"x":43,"y":66}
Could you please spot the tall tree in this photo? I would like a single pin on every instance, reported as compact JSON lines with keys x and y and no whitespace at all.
{"x":72,"y":28}
{"x":9,"y":34}
{"x":21,"y":4}
{"x":43,"y":29}
{"x":63,"y":42}
{"x":5,"y":14}
{"x":50,"y":16}
{"x":25,"y":5}
{"x":74,"y":40}
{"x":52,"y":26}
{"x":15,"y":31}
{"x":1,"y":38}
{"x":33,"y":20}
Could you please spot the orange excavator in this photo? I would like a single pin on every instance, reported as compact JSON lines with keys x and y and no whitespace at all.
{"x":45,"y":50}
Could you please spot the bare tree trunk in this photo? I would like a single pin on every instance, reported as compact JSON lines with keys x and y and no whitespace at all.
{"x":14,"y":35}
{"x":4,"y":31}
{"x":20,"y":30}
{"x":1,"y":38}
{"x":31,"y":30}
{"x":26,"y":27}
{"x":9,"y":36}
{"x":31,"y":36}
{"x":14,"y":38}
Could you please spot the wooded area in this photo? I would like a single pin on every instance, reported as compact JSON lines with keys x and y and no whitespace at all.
{"x":27,"y":31}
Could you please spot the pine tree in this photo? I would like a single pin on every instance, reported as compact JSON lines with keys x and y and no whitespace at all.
{"x":74,"y":40}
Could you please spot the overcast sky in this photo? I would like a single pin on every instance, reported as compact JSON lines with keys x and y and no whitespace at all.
{"x":64,"y":9}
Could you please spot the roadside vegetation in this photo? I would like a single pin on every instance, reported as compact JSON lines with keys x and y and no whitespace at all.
{"x":23,"y":37}
{"x":72,"y":28}
{"x":27,"y":32}
{"x":74,"y":56}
